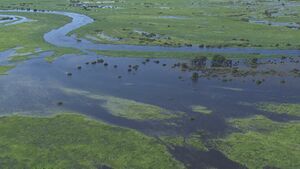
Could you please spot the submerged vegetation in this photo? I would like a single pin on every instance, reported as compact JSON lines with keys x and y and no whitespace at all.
{"x":74,"y":141}
{"x":127,"y":108}
{"x":201,"y":109}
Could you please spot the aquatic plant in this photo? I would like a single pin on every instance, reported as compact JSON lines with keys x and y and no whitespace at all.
{"x":69,"y":74}
{"x":5,"y":69}
{"x":218,"y":60}
{"x":201,"y":109}
{"x":280,"y":108}
{"x":263,"y":142}
{"x":60,"y":103}
{"x":193,"y":140}
{"x":195,"y":76}
{"x":125,"y":108}
{"x":100,"y":60}
{"x":199,"y":61}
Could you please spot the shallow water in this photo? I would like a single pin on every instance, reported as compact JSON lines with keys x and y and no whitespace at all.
{"x":14,"y":20}
{"x":35,"y":87}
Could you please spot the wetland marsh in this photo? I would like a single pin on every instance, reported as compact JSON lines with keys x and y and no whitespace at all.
{"x":160,"y":84}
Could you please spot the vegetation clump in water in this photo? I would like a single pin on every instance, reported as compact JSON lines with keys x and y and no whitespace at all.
{"x":280,"y":108}
{"x":201,"y":109}
{"x":262,"y":142}
{"x":194,"y":140}
{"x":128,"y":108}
{"x":4,"y":69}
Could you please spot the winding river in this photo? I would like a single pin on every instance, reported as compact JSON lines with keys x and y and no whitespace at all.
{"x":59,"y":37}
{"x":13,"y":20}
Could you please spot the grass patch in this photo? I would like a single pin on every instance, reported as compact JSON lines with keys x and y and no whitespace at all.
{"x":280,"y":108}
{"x":19,"y":58}
{"x":30,"y":35}
{"x":212,"y":23}
{"x":194,"y":140}
{"x":73,"y":141}
{"x":129,"y":109}
{"x":5,"y":69}
{"x":263,"y":143}
{"x":201,"y":109}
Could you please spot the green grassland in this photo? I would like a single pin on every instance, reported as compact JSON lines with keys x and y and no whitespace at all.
{"x":26,"y":38}
{"x":74,"y":141}
{"x":178,"y":22}
{"x":29,"y":36}
{"x":262,"y":142}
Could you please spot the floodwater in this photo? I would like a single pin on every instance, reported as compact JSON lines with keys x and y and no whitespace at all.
{"x":35,"y":87}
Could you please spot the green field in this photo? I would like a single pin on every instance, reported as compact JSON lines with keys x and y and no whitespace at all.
{"x":211,"y":23}
{"x":263,"y":143}
{"x":74,"y":141}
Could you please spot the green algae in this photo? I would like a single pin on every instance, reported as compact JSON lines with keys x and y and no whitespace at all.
{"x":126,"y":108}
{"x":201,"y":109}
{"x":74,"y":141}
{"x":262,"y":142}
